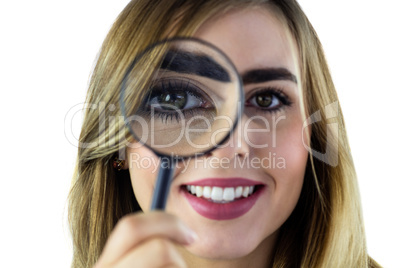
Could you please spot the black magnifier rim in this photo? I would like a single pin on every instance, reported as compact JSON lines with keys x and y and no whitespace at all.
{"x":169,"y":40}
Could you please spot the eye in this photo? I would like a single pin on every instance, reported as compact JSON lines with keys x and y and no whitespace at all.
{"x":175,"y":99}
{"x":265,"y":100}
{"x":268,"y":99}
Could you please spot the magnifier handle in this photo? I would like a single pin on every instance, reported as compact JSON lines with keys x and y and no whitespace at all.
{"x":163,"y":181}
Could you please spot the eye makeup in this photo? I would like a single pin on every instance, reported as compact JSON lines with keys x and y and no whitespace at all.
{"x":176,"y":99}
{"x":268,"y":99}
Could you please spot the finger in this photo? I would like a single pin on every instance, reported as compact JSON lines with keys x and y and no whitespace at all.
{"x":155,"y":252}
{"x":134,"y":229}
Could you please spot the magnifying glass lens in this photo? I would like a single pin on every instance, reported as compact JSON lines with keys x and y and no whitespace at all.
{"x":181,"y":97}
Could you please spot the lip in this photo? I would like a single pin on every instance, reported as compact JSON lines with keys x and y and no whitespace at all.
{"x":225,"y":211}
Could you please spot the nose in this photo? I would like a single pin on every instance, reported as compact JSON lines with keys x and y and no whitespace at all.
{"x":236,"y":144}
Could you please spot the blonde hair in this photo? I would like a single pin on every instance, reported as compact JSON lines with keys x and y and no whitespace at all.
{"x":326,"y":227}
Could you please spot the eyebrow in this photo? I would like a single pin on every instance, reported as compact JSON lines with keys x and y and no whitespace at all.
{"x":197,"y":64}
{"x":268,"y":74}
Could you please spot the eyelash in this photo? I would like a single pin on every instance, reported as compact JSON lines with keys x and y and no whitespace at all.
{"x":178,"y":85}
{"x":276,"y":93}
{"x":165,"y":116}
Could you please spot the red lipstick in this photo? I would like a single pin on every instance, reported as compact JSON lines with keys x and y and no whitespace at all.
{"x":226,"y":210}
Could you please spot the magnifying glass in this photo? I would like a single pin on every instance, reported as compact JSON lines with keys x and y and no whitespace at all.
{"x":181,"y":98}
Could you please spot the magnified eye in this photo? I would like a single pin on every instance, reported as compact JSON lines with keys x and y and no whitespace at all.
{"x":175,"y":98}
{"x":170,"y":100}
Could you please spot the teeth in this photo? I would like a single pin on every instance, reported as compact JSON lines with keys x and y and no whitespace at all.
{"x":228,"y":194}
{"x":207,"y":192}
{"x":199,"y":191}
{"x":239,"y":192}
{"x":245,"y":191}
{"x":219,"y":194}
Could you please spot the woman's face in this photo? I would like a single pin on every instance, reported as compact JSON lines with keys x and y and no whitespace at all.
{"x":255,"y":41}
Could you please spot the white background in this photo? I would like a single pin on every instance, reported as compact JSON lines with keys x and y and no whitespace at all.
{"x":47,"y":50}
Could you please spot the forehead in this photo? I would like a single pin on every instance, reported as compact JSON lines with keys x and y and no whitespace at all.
{"x":252,"y":38}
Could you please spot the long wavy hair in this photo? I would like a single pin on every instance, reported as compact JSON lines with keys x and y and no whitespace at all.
{"x":326,"y":227}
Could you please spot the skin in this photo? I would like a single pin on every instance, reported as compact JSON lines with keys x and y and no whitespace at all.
{"x":252,"y":39}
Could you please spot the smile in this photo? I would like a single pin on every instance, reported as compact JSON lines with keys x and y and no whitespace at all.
{"x":219,"y":194}
{"x":222,"y":199}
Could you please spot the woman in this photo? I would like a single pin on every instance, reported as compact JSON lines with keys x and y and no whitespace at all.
{"x":306,"y":212}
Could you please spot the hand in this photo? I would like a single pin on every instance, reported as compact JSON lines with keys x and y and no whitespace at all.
{"x":146,"y":240}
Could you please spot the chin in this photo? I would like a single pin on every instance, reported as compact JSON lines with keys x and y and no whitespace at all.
{"x":222,"y":250}
{"x":223,"y":241}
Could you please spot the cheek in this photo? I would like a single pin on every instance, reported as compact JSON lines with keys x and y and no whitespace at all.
{"x":143,"y":167}
{"x":281,"y":142}
{"x":287,"y":158}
